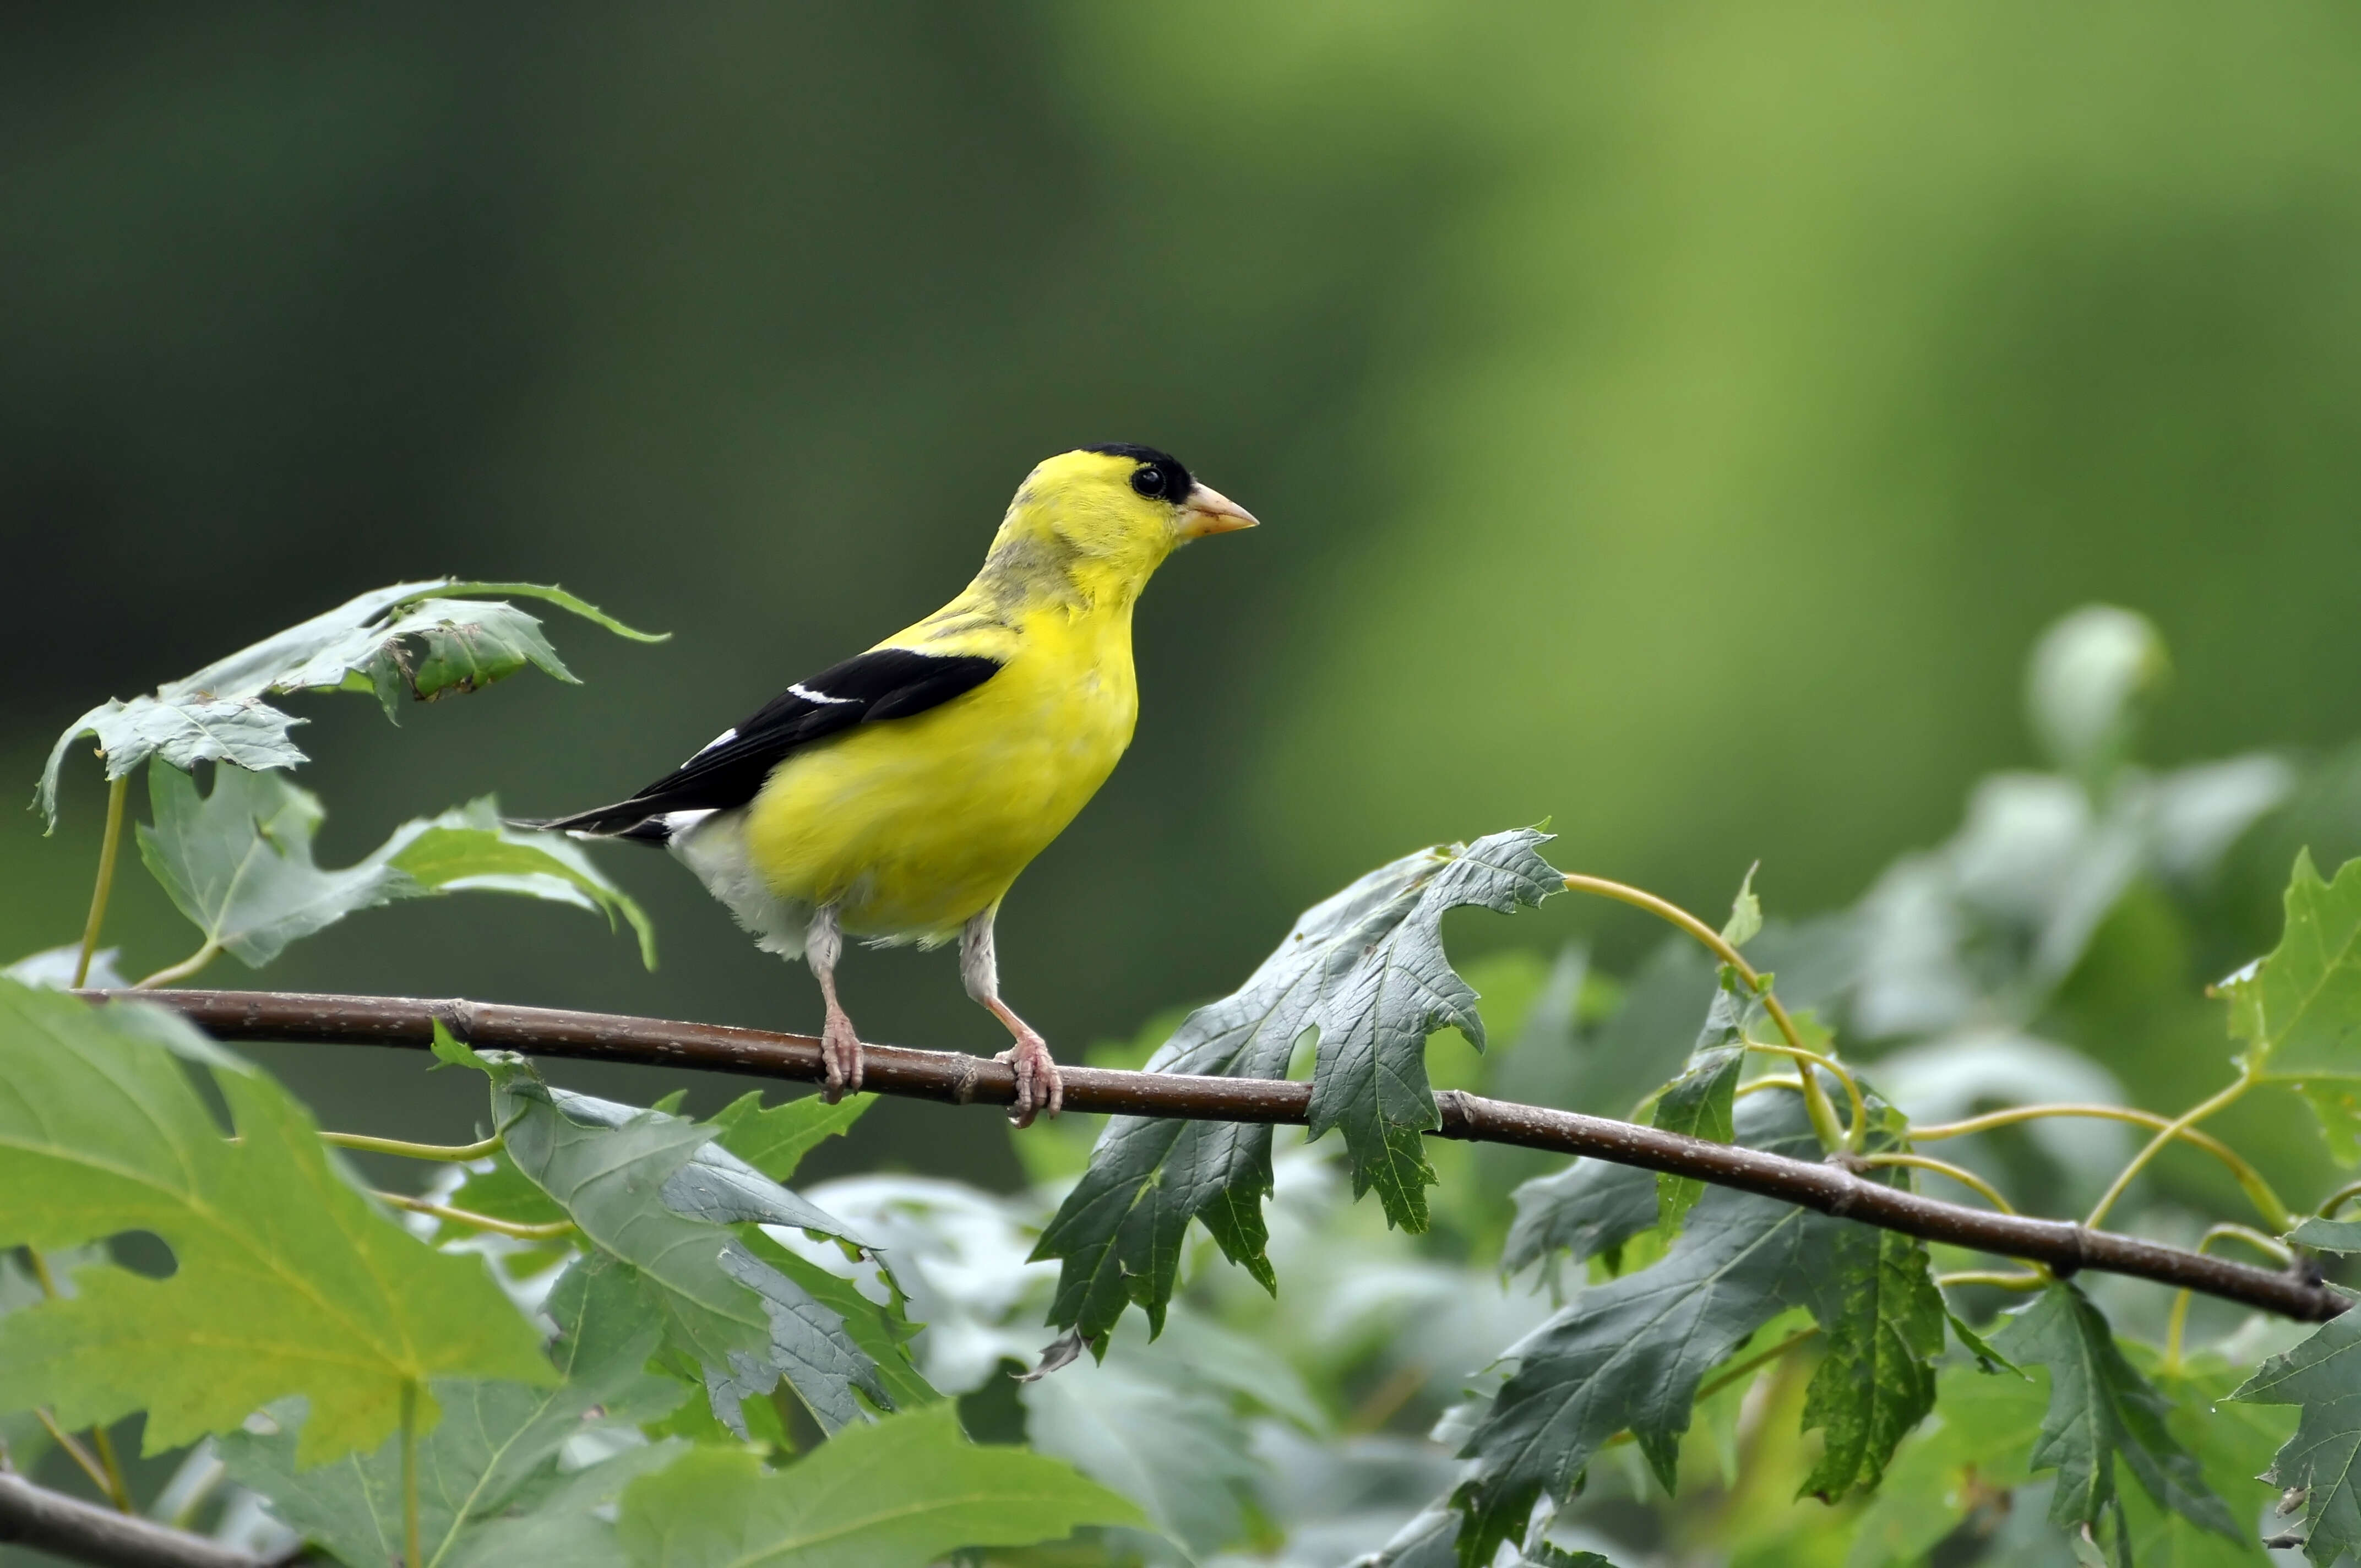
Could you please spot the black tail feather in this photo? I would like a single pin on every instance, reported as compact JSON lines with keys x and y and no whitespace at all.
{"x":618,"y":821}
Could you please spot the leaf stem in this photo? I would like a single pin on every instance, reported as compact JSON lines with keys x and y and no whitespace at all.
{"x":1816,"y":1099}
{"x":2338,"y":1199}
{"x":2259,"y":1191}
{"x":183,"y":970}
{"x":2000,"y":1279}
{"x":410,"y":1546}
{"x":476,"y":1222}
{"x":2165,"y":1135}
{"x":1959,"y":1174}
{"x":106,"y":1470}
{"x":2177,"y":1320}
{"x":451,"y":1152}
{"x":1835,"y":1069}
{"x":115,"y":791}
{"x":75,"y":1451}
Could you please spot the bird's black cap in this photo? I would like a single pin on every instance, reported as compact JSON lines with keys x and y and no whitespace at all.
{"x":1160,"y":475}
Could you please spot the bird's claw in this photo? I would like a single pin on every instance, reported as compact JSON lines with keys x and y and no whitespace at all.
{"x":1040,"y":1085}
{"x":840,"y":1048}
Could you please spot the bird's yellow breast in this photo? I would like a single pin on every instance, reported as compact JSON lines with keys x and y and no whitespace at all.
{"x":914,"y":825}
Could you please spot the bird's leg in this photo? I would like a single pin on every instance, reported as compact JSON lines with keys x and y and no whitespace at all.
{"x":840,"y":1047}
{"x":1038,"y":1085}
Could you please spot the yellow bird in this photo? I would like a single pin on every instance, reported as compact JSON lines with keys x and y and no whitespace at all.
{"x":896,"y":795}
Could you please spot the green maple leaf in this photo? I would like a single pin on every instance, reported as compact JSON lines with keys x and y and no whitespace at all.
{"x":901,"y":1494}
{"x":775,"y":1140}
{"x":238,"y":862}
{"x":1590,"y":1209}
{"x":1629,"y":1354}
{"x":1366,"y":971}
{"x":493,"y":1459}
{"x":1876,"y":1383}
{"x":412,"y":640}
{"x":651,"y":1191}
{"x":2298,"y":1012}
{"x":289,"y":1280}
{"x":2322,"y":1375}
{"x":2102,"y":1409}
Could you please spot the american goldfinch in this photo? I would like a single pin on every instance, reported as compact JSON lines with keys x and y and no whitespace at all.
{"x":896,"y":795}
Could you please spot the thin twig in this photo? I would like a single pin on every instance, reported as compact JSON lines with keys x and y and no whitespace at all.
{"x":1998,"y":1278}
{"x":170,"y":973}
{"x":2164,"y":1135}
{"x":83,"y":1532}
{"x":109,"y":1471}
{"x":959,"y":1078}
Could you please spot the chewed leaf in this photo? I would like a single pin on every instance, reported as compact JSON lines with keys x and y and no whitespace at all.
{"x":289,"y":1280}
{"x":419,"y":640}
{"x":238,"y":862}
{"x":1366,"y":970}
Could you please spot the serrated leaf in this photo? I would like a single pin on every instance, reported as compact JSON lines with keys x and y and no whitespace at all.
{"x":2100,"y":1409}
{"x":900,"y":1494}
{"x":494,"y":1454}
{"x":2298,"y":1012}
{"x":289,"y":1280}
{"x":1696,"y":1104}
{"x":649,"y":1191}
{"x":2328,"y":1235}
{"x":882,"y":1332}
{"x":775,"y":1140}
{"x":1365,"y":969}
{"x":1877,"y":1380}
{"x":1745,"y":921}
{"x":238,"y":862}
{"x":1972,"y":1453}
{"x":417,"y":639}
{"x":2233,"y":1444}
{"x":1628,"y":1354}
{"x":1590,"y":1209}
{"x":2324,"y":1457}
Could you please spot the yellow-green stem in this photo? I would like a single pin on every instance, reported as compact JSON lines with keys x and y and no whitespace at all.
{"x":1998,"y":1278}
{"x":97,"y":921}
{"x":2338,"y":1199}
{"x":1816,"y":1099}
{"x":1958,"y":1173}
{"x":478,"y":1222}
{"x":2250,"y":1182}
{"x":452,"y":1152}
{"x":410,"y":1553}
{"x":105,"y":1470}
{"x":74,"y":1451}
{"x":2176,"y":1322}
{"x":183,"y":970}
{"x":1835,"y":1069}
{"x":2156,"y":1144}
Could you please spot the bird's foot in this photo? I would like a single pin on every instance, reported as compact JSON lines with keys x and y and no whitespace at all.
{"x":1038,"y":1085}
{"x":840,"y":1048}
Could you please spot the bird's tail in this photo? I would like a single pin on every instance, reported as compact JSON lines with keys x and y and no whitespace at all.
{"x":621,"y":820}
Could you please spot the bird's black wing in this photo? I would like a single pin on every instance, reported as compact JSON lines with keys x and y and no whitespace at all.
{"x":888,"y":683}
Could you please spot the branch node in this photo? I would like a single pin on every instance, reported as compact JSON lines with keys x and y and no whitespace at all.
{"x":971,"y":1068}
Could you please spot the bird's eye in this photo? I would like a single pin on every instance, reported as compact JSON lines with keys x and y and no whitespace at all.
{"x":1148,"y":480}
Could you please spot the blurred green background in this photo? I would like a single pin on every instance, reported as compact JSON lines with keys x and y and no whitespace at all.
{"x":1675,"y":421}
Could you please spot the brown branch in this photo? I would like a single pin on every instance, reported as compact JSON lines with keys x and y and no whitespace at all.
{"x":1831,"y":1187}
{"x":67,"y":1527}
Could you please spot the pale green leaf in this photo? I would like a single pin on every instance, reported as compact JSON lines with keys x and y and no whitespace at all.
{"x":238,"y":862}
{"x":495,"y":1453}
{"x":901,"y":1494}
{"x":1745,"y":921}
{"x":1365,"y":969}
{"x":287,"y":1280}
{"x":1696,"y":1104}
{"x":2328,"y":1235}
{"x":2298,"y":1012}
{"x":775,"y":1140}
{"x":648,"y":1190}
{"x":412,"y":640}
